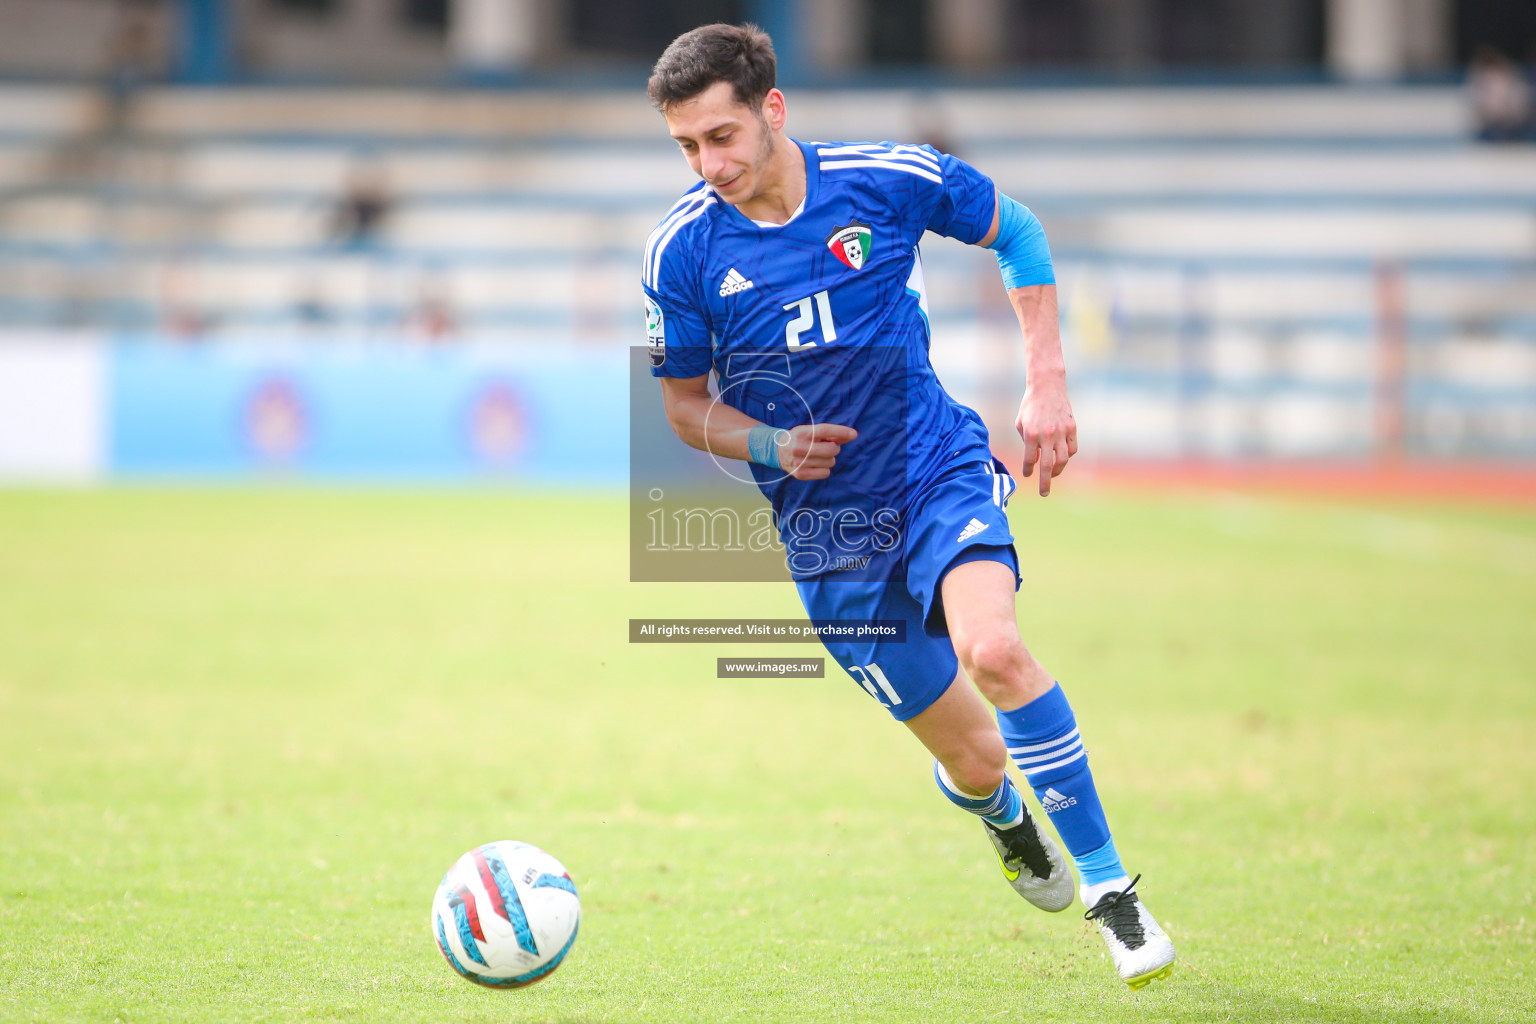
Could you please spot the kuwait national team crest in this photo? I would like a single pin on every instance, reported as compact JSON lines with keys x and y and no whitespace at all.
{"x":850,"y":244}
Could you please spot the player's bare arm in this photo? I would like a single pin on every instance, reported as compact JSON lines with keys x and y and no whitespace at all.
{"x":805,"y":452}
{"x":1045,"y":414}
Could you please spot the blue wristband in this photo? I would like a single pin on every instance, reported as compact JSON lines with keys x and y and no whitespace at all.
{"x":763,"y":446}
{"x":1022,"y":251}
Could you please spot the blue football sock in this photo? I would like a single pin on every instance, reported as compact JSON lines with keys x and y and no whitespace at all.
{"x":1101,"y":865}
{"x":1043,"y":740}
{"x":1003,"y":807}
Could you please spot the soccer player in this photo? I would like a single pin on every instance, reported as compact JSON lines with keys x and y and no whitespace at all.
{"x":792,"y":272}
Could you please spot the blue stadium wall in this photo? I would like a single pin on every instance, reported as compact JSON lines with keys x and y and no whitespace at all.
{"x":140,"y":410}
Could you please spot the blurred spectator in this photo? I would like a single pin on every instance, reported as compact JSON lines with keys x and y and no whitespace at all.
{"x":1501,"y":97}
{"x":362,"y":209}
{"x":309,"y":309}
{"x":930,"y":124}
{"x":1530,"y":80}
{"x":431,"y":320}
{"x":131,"y":59}
{"x":182,"y":314}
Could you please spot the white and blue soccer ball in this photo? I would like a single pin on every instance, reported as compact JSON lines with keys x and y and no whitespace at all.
{"x":505,"y":915}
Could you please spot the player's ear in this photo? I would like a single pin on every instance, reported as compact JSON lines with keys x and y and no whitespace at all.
{"x":774,"y":111}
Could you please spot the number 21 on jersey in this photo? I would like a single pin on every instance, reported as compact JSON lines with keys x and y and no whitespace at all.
{"x":807,"y":319}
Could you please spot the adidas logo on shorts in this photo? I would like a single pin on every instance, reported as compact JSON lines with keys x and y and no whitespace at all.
{"x":972,"y":528}
{"x":733,"y":283}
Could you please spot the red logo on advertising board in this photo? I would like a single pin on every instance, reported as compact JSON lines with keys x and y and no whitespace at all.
{"x":276,"y":420}
{"x":498,"y":424}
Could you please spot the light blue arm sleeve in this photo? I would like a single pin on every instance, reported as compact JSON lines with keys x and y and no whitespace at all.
{"x":1022,"y":251}
{"x":763,"y":446}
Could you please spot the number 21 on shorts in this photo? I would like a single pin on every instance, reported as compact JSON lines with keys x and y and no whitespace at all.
{"x":869,"y":677}
{"x":807,"y":319}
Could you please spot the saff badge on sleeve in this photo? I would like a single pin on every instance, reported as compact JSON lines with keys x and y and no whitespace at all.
{"x":655,"y":331}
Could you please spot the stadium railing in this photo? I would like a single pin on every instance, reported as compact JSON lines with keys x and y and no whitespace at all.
{"x":1221,"y":251}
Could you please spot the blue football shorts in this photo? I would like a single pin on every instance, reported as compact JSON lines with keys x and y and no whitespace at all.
{"x":961,"y":517}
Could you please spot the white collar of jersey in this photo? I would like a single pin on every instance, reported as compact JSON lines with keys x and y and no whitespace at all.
{"x":770,"y":224}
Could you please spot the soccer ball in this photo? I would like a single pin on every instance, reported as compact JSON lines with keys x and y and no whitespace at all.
{"x":505,"y":915}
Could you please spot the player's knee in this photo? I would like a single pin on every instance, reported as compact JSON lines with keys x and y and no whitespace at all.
{"x":995,"y":662}
{"x":979,"y":767}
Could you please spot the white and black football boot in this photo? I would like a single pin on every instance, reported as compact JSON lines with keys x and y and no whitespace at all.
{"x":1141,"y":951}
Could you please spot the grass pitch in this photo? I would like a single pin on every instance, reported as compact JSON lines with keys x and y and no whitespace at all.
{"x":243,"y":733}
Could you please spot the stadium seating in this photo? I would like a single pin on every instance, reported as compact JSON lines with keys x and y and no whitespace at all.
{"x":1215,"y":241}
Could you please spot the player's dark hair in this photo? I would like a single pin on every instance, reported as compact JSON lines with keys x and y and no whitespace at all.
{"x":739,"y":54}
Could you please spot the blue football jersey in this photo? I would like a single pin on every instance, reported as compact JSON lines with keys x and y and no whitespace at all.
{"x":824,"y":319}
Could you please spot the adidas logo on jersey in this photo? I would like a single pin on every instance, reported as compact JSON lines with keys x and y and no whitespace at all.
{"x":1052,"y":801}
{"x":972,"y":528}
{"x":733,"y":283}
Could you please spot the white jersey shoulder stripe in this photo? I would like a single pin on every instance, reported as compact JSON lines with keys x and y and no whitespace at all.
{"x":837,"y":165}
{"x":652,"y":273}
{"x":879,"y":149}
{"x":896,"y":158}
{"x":681,"y":208}
{"x":902,"y":158}
{"x":913,"y":154}
{"x":859,"y":148}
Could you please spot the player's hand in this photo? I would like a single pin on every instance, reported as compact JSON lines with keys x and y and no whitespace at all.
{"x":810,"y":449}
{"x":1050,"y":433}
